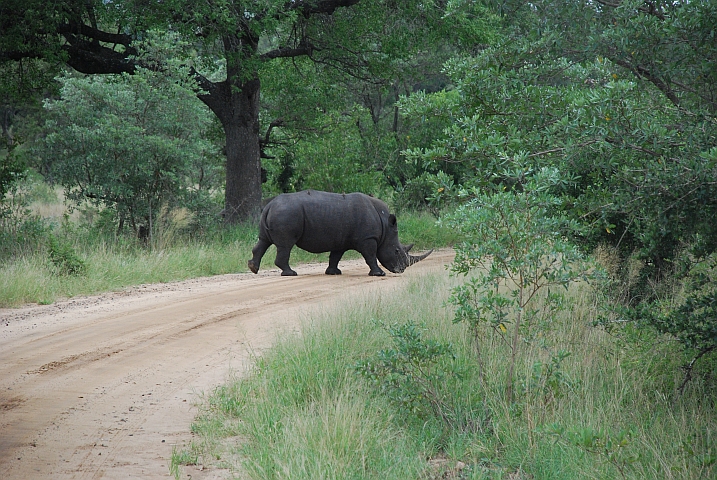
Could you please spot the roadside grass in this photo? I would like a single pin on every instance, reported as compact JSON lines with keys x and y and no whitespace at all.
{"x":111,"y":263}
{"x":35,"y":279}
{"x":608,"y":410}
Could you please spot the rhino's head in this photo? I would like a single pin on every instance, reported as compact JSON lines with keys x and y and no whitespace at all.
{"x":393,"y":255}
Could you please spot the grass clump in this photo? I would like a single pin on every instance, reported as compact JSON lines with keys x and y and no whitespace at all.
{"x":87,"y":267}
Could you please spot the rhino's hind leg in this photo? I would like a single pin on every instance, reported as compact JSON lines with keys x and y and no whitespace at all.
{"x":258,"y":252}
{"x":282,"y":261}
{"x":334,"y":259}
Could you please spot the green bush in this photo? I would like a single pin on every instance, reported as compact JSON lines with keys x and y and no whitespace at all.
{"x":413,"y":374}
{"x":688,"y":315}
{"x":515,"y":246}
{"x":64,"y":258}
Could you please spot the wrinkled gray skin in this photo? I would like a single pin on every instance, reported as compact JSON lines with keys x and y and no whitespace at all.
{"x":331,"y":222}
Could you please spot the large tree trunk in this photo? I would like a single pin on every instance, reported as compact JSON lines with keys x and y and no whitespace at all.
{"x":242,"y":198}
{"x":237,"y":107}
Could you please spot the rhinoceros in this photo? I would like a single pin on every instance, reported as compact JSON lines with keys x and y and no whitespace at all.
{"x":331,"y":222}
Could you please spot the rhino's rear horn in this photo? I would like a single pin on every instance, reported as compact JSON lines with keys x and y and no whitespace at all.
{"x":417,"y":258}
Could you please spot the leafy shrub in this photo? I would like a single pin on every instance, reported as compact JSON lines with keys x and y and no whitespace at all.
{"x":413,"y":374}
{"x":694,"y":320}
{"x":12,"y":171}
{"x":690,"y":316}
{"x":424,"y":192}
{"x":515,"y":246}
{"x":21,"y":232}
{"x":64,"y":258}
{"x":21,"y":236}
{"x":123,"y":143}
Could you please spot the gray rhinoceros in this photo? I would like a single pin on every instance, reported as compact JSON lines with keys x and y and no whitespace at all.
{"x":331,"y":222}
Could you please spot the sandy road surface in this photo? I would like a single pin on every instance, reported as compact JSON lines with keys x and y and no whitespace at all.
{"x":103,"y":387}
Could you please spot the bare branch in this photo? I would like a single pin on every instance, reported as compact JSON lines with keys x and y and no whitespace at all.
{"x":311,"y":7}
{"x":287,"y":52}
{"x":74,"y":28}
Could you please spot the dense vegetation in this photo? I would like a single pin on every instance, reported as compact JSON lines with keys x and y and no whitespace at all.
{"x":388,"y":387}
{"x":557,"y":143}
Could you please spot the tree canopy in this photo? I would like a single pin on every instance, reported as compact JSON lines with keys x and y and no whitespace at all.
{"x":232,"y":41}
{"x":619,"y":96}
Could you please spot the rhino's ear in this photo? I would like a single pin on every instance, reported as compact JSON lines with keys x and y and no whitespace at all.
{"x":392,"y":219}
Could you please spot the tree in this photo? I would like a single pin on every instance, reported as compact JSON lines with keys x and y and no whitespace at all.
{"x":22,"y":86}
{"x":122,"y":142}
{"x":619,"y":96}
{"x":351,"y":35}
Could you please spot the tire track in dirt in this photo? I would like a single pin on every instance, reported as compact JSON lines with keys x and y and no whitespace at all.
{"x":103,"y":387}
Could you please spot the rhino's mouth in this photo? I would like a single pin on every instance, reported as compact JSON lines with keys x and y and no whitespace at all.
{"x":397,"y":270}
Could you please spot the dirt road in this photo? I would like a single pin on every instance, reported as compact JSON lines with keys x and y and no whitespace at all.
{"x":105,"y":386}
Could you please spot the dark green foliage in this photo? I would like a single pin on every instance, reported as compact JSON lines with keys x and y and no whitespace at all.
{"x":124,"y":143}
{"x":343,"y":132}
{"x":64,"y":258}
{"x":416,"y":375}
{"x":620,"y":98}
{"x":694,"y":320}
{"x":425,"y":192}
{"x":12,"y":171}
{"x":690,"y":317}
{"x":594,"y":91}
{"x":21,"y":236}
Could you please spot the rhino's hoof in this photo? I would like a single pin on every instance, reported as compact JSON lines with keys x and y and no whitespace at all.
{"x":253,"y":267}
{"x":377,"y":273}
{"x":333,"y":271}
{"x":288,"y":273}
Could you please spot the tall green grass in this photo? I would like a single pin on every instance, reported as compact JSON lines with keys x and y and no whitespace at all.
{"x":34,"y":278}
{"x":303,"y":412}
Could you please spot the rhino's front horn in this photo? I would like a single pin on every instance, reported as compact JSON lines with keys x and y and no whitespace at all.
{"x":417,"y":258}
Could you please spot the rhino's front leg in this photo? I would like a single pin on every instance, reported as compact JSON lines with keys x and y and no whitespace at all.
{"x":282,"y":261}
{"x":368,"y":250}
{"x":334,"y":259}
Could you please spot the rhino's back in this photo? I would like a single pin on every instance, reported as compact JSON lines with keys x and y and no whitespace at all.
{"x":321,"y":221}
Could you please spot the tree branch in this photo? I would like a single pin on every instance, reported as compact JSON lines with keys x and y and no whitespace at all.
{"x":75,"y":28}
{"x":288,"y":52}
{"x":642,"y":72}
{"x":92,"y":58}
{"x":311,"y":7}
